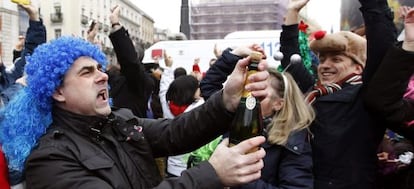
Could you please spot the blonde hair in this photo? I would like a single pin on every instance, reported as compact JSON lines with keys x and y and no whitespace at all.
{"x":296,"y":114}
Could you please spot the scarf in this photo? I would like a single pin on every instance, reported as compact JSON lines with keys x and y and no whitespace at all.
{"x":325,"y":89}
{"x":176,"y":109}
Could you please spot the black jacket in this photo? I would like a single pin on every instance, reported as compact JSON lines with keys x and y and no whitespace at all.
{"x":132,"y":86}
{"x":119,"y":151}
{"x":385,"y":92}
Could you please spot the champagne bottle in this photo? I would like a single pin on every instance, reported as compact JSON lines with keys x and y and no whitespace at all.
{"x":248,"y":121}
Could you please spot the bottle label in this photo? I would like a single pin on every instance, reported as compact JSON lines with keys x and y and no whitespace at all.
{"x":250,"y":102}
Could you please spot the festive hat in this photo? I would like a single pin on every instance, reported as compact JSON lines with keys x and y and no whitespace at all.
{"x":350,"y":44}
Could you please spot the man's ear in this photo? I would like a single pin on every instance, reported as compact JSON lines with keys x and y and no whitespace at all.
{"x":58,"y":95}
{"x":359,"y":69}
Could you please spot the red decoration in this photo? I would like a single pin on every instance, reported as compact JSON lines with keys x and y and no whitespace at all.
{"x":176,"y":109}
{"x":319,"y":34}
{"x":156,"y":53}
{"x":196,"y":68}
{"x":302,"y":26}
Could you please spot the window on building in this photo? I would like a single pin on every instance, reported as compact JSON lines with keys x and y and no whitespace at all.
{"x":57,"y":7}
{"x":58,"y":33}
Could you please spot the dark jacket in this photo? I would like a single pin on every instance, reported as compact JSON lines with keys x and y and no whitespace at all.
{"x":288,"y":166}
{"x":385,"y":92}
{"x":132,"y":86}
{"x":118,"y":151}
{"x":16,"y":54}
{"x":346,"y":135}
{"x":36,"y":35}
{"x":217,"y":74}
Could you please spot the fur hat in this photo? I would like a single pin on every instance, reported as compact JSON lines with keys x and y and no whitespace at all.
{"x":351,"y":44}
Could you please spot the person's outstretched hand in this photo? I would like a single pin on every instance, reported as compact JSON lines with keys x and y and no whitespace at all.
{"x":293,"y":9}
{"x":168,"y":60}
{"x":244,"y":50}
{"x":408,"y":43}
{"x":297,"y":5}
{"x":217,"y":52}
{"x":92,"y":32}
{"x":233,"y":166}
{"x":20,"y":43}
{"x":32,"y":11}
{"x":403,"y":10}
{"x":114,"y":17}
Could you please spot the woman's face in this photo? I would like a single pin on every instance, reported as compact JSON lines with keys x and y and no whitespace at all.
{"x":273,"y":102}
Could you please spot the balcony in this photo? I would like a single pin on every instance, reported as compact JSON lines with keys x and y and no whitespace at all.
{"x":84,"y":20}
{"x":106,"y":28}
{"x":100,"y":26}
{"x":56,"y":17}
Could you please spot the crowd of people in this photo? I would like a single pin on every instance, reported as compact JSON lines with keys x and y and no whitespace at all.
{"x":70,"y":120}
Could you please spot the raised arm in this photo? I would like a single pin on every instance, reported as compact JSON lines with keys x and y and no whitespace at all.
{"x":18,"y":48}
{"x":36,"y":35}
{"x":217,"y":73}
{"x":289,"y":45}
{"x":131,"y":66}
{"x":377,"y":17}
{"x":166,"y":78}
{"x":385,"y":92}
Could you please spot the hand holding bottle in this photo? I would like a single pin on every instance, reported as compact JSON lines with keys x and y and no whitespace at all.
{"x":234,"y":86}
{"x":247,"y":122}
{"x":234,"y":165}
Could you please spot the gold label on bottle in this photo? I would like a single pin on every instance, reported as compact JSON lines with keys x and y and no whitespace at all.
{"x":250,"y":102}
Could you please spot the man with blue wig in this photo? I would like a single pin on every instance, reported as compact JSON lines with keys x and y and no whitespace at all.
{"x":60,"y":131}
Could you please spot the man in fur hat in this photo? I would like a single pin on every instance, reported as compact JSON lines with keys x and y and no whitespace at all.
{"x":346,"y":134}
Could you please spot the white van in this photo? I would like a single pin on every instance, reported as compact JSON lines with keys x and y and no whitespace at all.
{"x":184,"y":52}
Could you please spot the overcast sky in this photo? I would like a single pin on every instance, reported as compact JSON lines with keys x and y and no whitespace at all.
{"x":166,"y":13}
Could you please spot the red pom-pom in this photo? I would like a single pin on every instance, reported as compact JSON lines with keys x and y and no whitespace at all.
{"x":302,"y":26}
{"x":319,"y":34}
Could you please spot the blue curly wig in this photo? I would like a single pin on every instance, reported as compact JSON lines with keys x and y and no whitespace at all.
{"x":28,"y":115}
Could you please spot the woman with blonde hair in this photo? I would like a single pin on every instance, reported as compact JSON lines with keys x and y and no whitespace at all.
{"x":288,"y":161}
{"x":293,"y":114}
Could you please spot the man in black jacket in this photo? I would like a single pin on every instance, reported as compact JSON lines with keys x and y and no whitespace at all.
{"x":77,"y":141}
{"x":346,"y":134}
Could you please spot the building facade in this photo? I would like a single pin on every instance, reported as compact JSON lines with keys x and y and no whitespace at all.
{"x":9,"y":29}
{"x":72,"y":17}
{"x":213,"y":19}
